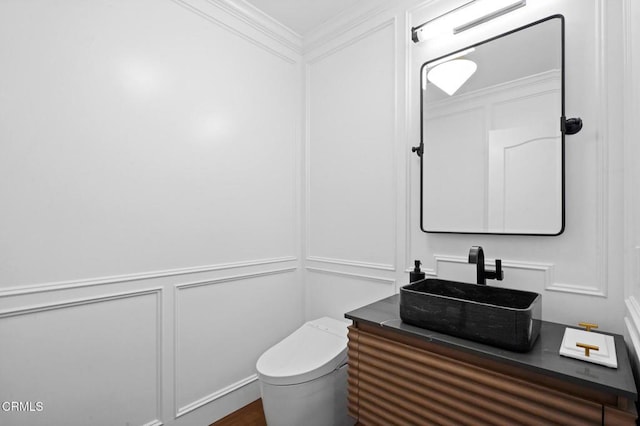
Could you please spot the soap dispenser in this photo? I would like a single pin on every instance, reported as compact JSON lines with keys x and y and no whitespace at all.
{"x":416,"y":274}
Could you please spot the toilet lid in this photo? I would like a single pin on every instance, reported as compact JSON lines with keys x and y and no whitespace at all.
{"x":315,"y":349}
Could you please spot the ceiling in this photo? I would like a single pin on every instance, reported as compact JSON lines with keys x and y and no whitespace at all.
{"x":302,"y":16}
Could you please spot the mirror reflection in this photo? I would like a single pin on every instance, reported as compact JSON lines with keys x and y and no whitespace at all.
{"x":493,"y":147}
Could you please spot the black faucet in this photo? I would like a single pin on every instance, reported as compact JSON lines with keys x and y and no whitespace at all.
{"x":476,"y":255}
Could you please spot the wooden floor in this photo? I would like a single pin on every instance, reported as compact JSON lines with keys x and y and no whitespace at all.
{"x":249,"y":415}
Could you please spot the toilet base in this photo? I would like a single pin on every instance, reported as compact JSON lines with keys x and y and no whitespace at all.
{"x":319,"y":402}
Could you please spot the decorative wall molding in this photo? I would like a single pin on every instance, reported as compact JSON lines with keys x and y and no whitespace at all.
{"x":65,"y":285}
{"x":586,"y":290}
{"x":306,"y":243}
{"x":157,"y":291}
{"x":204,"y":10}
{"x":234,"y":278}
{"x":546,"y":269}
{"x":602,"y":146}
{"x":309,"y":61}
{"x":77,"y":302}
{"x":397,"y":142}
{"x":181,"y":411}
{"x":631,"y":109}
{"x":351,"y":275}
{"x":381,"y":266}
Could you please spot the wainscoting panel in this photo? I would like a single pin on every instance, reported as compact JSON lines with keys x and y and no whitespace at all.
{"x":145,"y":145}
{"x":87,"y":361}
{"x":332,"y":293}
{"x":223,"y":325}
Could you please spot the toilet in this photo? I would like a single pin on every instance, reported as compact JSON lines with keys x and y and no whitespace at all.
{"x":303,"y":378}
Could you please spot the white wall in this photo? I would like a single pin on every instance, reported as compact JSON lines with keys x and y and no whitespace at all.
{"x":631,"y":105}
{"x":149,"y":167}
{"x":351,"y":169}
{"x":580,"y":273}
{"x":149,"y":163}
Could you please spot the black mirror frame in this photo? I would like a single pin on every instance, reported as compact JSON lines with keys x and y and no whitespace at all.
{"x":567,"y":127}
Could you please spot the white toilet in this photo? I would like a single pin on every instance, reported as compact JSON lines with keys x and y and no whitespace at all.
{"x":303,"y":378}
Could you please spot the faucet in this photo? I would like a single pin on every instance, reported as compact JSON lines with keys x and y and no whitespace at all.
{"x":476,"y":255}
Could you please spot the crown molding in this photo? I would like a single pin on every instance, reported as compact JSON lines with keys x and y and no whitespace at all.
{"x":250,"y":24}
{"x":262,"y":22}
{"x":349,"y":19}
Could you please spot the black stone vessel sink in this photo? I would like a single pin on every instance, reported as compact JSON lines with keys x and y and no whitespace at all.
{"x":500,"y":317}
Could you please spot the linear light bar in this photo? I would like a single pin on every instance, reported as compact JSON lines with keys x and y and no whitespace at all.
{"x":489,"y":16}
{"x":435,"y":26}
{"x":464,"y":17}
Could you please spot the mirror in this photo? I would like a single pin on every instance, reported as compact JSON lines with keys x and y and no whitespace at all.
{"x":492,"y":150}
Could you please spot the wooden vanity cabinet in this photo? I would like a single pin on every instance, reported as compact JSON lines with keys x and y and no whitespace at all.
{"x":396,"y":379}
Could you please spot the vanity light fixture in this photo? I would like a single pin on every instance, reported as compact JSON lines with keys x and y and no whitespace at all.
{"x":467,"y":15}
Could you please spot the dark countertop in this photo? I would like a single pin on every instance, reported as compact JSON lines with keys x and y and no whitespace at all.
{"x":543,"y":358}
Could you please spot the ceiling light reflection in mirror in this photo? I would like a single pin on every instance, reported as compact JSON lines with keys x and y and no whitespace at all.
{"x":450,"y":76}
{"x":450,"y":72}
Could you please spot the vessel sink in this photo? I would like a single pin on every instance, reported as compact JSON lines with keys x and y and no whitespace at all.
{"x":495,"y":316}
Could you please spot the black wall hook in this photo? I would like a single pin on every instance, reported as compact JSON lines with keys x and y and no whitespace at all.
{"x":571,"y":126}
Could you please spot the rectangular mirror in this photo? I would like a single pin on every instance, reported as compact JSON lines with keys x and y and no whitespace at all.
{"x":492,"y":145}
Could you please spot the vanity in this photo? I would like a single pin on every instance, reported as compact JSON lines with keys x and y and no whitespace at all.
{"x":402,"y":374}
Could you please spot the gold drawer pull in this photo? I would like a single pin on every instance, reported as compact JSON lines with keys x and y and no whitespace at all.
{"x":587,"y":348}
{"x":588,"y":325}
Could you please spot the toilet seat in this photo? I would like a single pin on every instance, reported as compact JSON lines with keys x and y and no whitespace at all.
{"x":312,"y":351}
